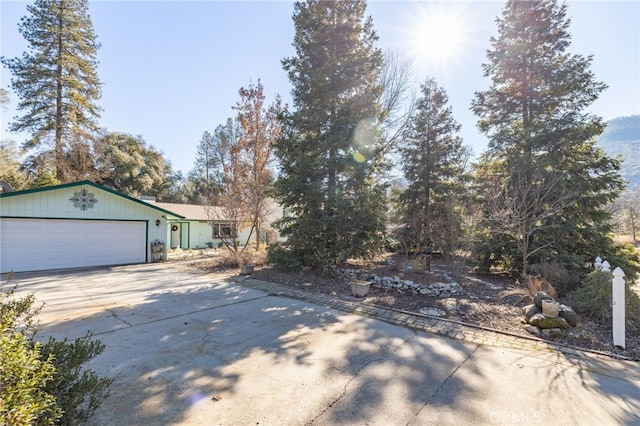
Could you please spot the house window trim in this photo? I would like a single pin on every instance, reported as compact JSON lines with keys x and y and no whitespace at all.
{"x":216,"y":230}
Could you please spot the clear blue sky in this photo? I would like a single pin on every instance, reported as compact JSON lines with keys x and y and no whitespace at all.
{"x":172,"y":69}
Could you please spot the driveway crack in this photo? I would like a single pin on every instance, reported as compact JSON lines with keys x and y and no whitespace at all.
{"x":357,"y":373}
{"x":115,"y":315}
{"x":444,"y":383}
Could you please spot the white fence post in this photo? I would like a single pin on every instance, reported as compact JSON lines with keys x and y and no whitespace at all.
{"x":598,"y":263}
{"x":617,"y":292}
{"x":606,"y":267}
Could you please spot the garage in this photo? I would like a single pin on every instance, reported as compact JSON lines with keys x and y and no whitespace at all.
{"x":77,"y":225}
{"x":78,"y":243}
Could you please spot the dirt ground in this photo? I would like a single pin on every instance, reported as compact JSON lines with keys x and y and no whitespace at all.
{"x":488,"y":300}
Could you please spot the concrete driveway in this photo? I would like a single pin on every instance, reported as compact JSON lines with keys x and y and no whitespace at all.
{"x":203,"y":350}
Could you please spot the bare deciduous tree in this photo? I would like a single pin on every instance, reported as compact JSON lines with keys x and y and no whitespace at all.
{"x":520,"y":207}
{"x":260,"y":130}
{"x":245,"y":158}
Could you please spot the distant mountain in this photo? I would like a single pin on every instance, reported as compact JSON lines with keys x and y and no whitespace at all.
{"x":622,"y":137}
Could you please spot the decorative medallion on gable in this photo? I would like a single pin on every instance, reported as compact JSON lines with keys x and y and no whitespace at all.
{"x":83,"y":200}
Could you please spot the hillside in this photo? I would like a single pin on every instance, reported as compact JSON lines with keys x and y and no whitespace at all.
{"x":622,"y":137}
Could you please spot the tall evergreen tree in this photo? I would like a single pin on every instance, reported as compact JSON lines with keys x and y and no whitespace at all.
{"x":433,"y":161}
{"x":330,"y":148}
{"x":204,"y":156}
{"x":542,"y":135}
{"x":56,"y":81}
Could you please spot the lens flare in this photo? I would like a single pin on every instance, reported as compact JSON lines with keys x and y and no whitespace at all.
{"x":364,"y":137}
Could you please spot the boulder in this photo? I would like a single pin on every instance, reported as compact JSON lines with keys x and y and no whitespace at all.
{"x":540,"y":321}
{"x":568,"y":314}
{"x":540,"y":296}
{"x":529,"y":311}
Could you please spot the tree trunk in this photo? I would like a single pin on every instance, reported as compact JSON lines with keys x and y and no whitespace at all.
{"x":59,"y":158}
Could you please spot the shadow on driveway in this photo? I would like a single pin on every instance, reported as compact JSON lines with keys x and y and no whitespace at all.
{"x":199,"y":349}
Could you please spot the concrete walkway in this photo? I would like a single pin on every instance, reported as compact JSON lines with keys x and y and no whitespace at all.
{"x":188,"y":349}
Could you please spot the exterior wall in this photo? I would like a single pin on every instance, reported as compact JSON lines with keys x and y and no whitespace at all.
{"x":196,"y":234}
{"x":193,"y":234}
{"x":57,"y":204}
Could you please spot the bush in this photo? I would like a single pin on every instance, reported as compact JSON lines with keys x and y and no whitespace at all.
{"x":24,"y":372}
{"x":561,"y":278}
{"x":283,"y":259}
{"x":593,"y":299}
{"x":43,"y":384}
{"x":78,"y":392}
{"x":23,"y":376}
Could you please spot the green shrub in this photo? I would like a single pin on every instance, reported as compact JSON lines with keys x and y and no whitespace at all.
{"x":593,"y":298}
{"x":23,"y":377}
{"x":283,"y":259}
{"x":78,"y":392}
{"x":43,"y":384}
{"x":24,"y":372}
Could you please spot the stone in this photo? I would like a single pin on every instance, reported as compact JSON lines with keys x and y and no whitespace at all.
{"x":569,"y":314}
{"x":550,"y":308}
{"x":433,"y":312}
{"x":529,"y":311}
{"x":540,"y":296}
{"x":532,"y":329}
{"x":540,"y":321}
{"x":552,"y":332}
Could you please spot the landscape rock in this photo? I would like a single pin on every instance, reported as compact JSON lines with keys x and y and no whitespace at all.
{"x":434,"y":312}
{"x":439,"y":289}
{"x":569,"y":314}
{"x":540,"y":296}
{"x":529,"y":311}
{"x":552,"y":332}
{"x":540,"y":321}
{"x":532,"y":329}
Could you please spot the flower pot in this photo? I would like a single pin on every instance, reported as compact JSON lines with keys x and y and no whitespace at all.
{"x":246,"y":269}
{"x":360,"y":288}
{"x":550,"y":308}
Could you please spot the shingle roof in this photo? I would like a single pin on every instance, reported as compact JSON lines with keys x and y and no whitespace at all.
{"x":192,"y":211}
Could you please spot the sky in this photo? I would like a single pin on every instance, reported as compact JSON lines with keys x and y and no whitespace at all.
{"x":172,"y":69}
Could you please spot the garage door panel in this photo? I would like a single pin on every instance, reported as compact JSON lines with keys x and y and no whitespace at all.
{"x":39,"y":244}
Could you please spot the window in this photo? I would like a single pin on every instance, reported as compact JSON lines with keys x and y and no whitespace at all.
{"x":223,"y":230}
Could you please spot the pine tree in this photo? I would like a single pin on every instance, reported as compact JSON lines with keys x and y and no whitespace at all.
{"x":56,"y":81}
{"x":541,"y":137}
{"x":329,"y":152}
{"x":433,"y":162}
{"x":204,"y":156}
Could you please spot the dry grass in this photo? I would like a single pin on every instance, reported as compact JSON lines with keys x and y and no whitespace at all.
{"x":528,"y":290}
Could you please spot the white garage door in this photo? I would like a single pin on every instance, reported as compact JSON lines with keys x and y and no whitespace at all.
{"x":38,"y":244}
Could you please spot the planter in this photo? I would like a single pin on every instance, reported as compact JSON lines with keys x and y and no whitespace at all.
{"x":360,"y":288}
{"x":550,"y":308}
{"x":246,"y":269}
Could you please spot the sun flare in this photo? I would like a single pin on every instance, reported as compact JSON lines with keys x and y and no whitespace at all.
{"x":438,"y":34}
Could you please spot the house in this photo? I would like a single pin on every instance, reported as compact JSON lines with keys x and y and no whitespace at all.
{"x":202,"y":226}
{"x":84,"y":224}
{"x":78,"y":225}
{"x":196,"y":229}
